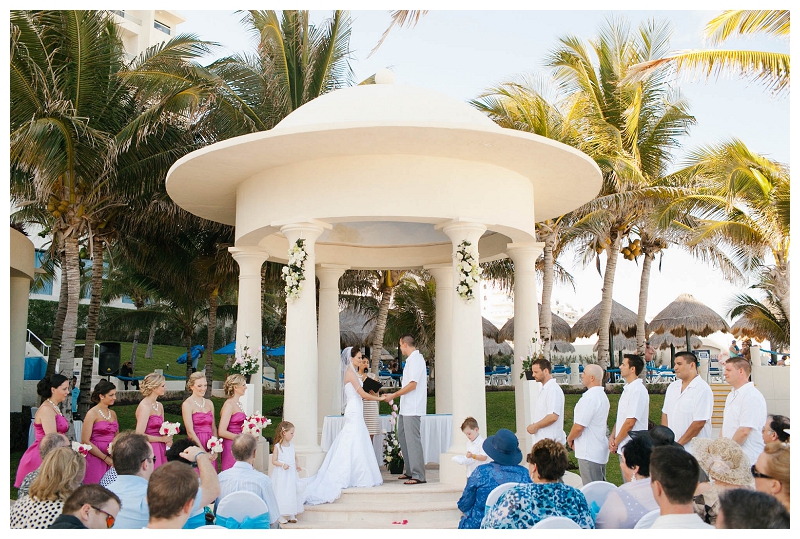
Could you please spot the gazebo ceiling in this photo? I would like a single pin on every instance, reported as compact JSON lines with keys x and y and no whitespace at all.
{"x":384,"y":164}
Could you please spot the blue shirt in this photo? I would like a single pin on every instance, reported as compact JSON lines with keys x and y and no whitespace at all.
{"x":525,"y":505}
{"x":76,"y":391}
{"x":243,"y":477}
{"x":482,"y":481}
{"x":134,"y":513}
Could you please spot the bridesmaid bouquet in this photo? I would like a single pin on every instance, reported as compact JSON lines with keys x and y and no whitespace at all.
{"x":214,"y":445}
{"x":81,"y":449}
{"x":255,"y":424}
{"x":169,"y":429}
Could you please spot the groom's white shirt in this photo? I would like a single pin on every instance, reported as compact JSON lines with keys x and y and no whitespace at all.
{"x":415,"y":402}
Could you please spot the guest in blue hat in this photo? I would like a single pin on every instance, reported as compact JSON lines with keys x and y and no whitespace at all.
{"x":505,"y":467}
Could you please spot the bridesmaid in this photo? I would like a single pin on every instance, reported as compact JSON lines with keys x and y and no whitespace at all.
{"x":198,"y":413}
{"x":231,"y":417}
{"x":99,"y":428}
{"x":150,"y":416}
{"x":53,"y":390}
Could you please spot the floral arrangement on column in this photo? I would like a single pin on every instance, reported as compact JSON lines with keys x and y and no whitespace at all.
{"x":392,"y":455}
{"x":245,"y":363}
{"x":293,"y":273}
{"x":469,"y":272}
{"x":534,"y":353}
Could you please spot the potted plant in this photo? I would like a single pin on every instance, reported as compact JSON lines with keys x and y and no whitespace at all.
{"x":392,"y":455}
{"x":534,"y":353}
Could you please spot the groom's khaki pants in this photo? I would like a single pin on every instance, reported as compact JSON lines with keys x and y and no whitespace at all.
{"x":411,"y":446}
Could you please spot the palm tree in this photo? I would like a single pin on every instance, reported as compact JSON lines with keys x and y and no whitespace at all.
{"x":633,"y":127}
{"x":768,"y":68}
{"x":401,"y":18}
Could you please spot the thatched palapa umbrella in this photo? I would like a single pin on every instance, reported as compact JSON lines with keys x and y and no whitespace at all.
{"x":356,"y":328}
{"x":685,"y":317}
{"x":623,"y":320}
{"x":493,"y":348}
{"x":560,"y":331}
{"x":620,"y":343}
{"x":490,"y":330}
{"x":562,"y":347}
{"x":665,"y":340}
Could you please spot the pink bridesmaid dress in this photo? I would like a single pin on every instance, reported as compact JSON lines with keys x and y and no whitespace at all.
{"x":234,"y":427}
{"x":103,"y":433}
{"x":31,"y":460}
{"x":202,"y":422}
{"x":159,"y":448}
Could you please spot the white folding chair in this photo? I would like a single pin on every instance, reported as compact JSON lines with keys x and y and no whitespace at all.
{"x":572,"y":479}
{"x":241,"y":504}
{"x":646,"y":521}
{"x":557,"y":523}
{"x":597,"y":492}
{"x":494,"y":495}
{"x":211,"y":527}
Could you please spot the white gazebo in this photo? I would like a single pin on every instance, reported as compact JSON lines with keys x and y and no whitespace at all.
{"x":384,"y":176}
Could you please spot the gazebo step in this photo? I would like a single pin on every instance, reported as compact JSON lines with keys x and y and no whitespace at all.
{"x":412,"y":524}
{"x":382,"y":513}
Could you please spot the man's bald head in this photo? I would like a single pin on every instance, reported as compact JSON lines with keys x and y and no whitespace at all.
{"x":592,"y":375}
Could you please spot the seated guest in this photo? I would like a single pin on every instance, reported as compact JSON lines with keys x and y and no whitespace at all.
{"x":633,"y":499}
{"x":133,"y":461}
{"x":48,"y":443}
{"x":523,"y":506}
{"x":673,"y":479}
{"x":60,"y":474}
{"x":89,"y":507}
{"x":741,"y":508}
{"x":171,"y":494}
{"x":504,"y":450}
{"x":771,"y":471}
{"x":242,"y":476}
{"x":198,"y":516}
{"x":775,"y":429}
{"x":727,"y":468}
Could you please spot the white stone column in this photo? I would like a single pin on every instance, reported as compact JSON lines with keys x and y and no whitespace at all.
{"x":526,"y":326}
{"x":248,"y":320}
{"x":18,"y":300}
{"x":466,"y":344}
{"x":443,"y":274}
{"x":330,"y":395}
{"x":301,"y":373}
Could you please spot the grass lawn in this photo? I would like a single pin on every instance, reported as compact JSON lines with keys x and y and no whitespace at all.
{"x":500,"y":413}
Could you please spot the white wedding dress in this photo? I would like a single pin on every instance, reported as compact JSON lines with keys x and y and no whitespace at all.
{"x":350,"y":461}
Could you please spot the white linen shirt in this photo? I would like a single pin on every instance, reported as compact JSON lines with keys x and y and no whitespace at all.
{"x":242,"y":476}
{"x":746,"y":407}
{"x":415,"y":402}
{"x":695,"y":403}
{"x":476,"y":448}
{"x":688,"y":521}
{"x":634,"y":402}
{"x":591,"y":412}
{"x":550,"y":401}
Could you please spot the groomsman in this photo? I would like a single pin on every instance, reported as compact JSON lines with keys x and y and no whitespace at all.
{"x":745,"y":409}
{"x":688,"y":403}
{"x":548,"y":416}
{"x":633,"y":409}
{"x":588,"y":434}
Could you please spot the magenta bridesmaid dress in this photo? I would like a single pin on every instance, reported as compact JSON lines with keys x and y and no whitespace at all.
{"x":234,"y":427}
{"x":31,"y":460}
{"x":103,"y":433}
{"x":202,"y":422}
{"x":159,"y":448}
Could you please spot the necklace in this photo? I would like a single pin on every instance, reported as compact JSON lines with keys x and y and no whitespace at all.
{"x":54,"y":407}
{"x":239,"y":404}
{"x":201,"y":406}
{"x":99,"y":411}
{"x":155,"y":406}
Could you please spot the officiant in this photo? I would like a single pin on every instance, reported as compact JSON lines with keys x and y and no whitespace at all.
{"x":370,"y":407}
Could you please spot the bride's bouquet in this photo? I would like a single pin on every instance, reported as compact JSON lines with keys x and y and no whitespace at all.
{"x":255,"y":424}
{"x":169,"y":429}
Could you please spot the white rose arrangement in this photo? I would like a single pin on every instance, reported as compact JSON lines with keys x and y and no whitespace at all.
{"x":469,"y":271}
{"x":293,"y":273}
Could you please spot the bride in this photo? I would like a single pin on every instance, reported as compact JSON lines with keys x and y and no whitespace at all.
{"x":350,"y":461}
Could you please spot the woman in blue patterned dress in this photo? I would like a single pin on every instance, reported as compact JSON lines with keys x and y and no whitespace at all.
{"x":503,"y":447}
{"x":523,"y":506}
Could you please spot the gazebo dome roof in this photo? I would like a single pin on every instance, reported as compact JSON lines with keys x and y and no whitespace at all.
{"x":386,"y":105}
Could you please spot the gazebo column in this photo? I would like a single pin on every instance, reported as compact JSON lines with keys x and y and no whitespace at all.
{"x":443,"y":275}
{"x":328,"y":341}
{"x":301,"y":374}
{"x":526,"y":326}
{"x":250,"y":260}
{"x":466,"y":344}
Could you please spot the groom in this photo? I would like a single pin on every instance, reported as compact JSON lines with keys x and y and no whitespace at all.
{"x":413,"y":404}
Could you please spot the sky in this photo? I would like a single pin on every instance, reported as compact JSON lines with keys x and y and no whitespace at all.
{"x":463,"y":53}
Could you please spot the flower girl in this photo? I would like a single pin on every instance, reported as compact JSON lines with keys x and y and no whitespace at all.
{"x":286,"y":483}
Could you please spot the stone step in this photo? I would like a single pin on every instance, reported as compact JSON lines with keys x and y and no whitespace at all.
{"x":394,"y":491}
{"x":381,"y":514}
{"x":351,"y":525}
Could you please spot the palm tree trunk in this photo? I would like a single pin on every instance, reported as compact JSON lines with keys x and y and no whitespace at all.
{"x":780,"y":278}
{"x":212,"y":328}
{"x":73,"y":283}
{"x":84,"y":403}
{"x":149,"y":352}
{"x":136,"y":334}
{"x":545,"y":316}
{"x":188,"y":353}
{"x":58,"y":324}
{"x":380,"y":329}
{"x":608,"y":296}
{"x":644,"y":287}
